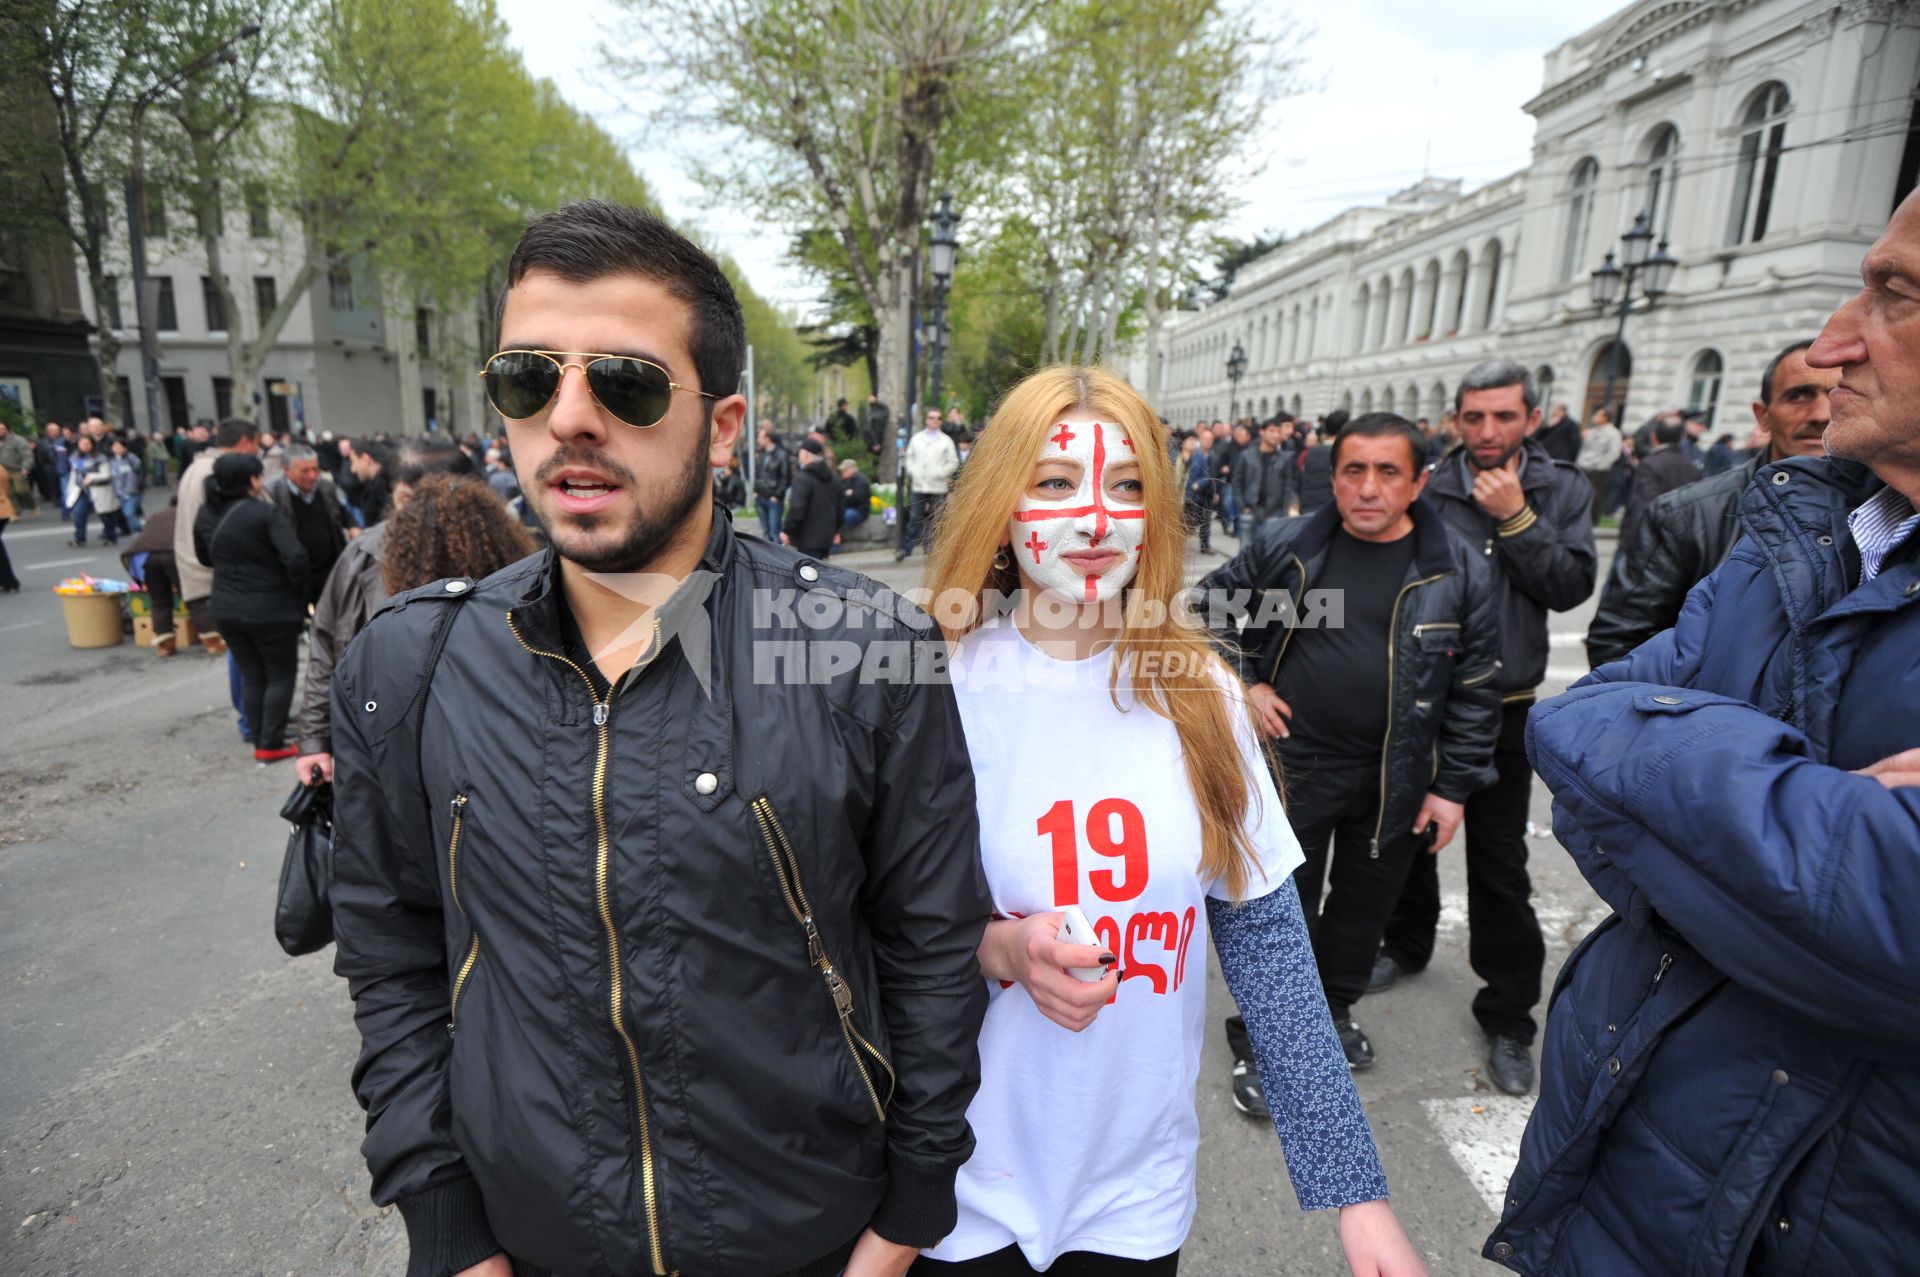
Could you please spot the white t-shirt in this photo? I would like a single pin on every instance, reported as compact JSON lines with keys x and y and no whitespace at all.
{"x":1088,"y":1141}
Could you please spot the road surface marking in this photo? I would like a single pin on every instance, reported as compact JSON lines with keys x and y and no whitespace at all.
{"x":65,"y":531}
{"x":19,"y":625}
{"x":1483,"y":1135}
{"x":56,"y":563}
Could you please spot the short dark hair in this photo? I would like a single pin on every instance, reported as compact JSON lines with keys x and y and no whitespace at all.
{"x":1493,"y":374}
{"x":235,"y":431}
{"x":430,"y":455}
{"x":382,"y":453}
{"x":1773,"y":366}
{"x":1374,"y":425}
{"x":591,"y":239}
{"x":1335,"y":420}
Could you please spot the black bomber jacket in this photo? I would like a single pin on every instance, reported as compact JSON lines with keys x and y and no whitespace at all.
{"x":669,"y":978}
{"x":1443,"y":662}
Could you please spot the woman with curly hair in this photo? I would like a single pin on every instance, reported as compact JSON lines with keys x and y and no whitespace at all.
{"x":451,"y":525}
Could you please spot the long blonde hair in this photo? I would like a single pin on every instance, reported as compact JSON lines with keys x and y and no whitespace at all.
{"x":1172,"y":668}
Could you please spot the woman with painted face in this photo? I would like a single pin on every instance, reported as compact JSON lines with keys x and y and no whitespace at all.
{"x":1118,"y":774}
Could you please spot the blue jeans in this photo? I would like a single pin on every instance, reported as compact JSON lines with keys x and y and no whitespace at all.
{"x":81,"y":511}
{"x":921,"y":508}
{"x":770,"y":510}
{"x":1230,"y":512}
{"x":237,"y":690}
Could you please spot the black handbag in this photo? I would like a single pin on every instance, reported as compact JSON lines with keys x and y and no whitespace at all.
{"x":303,"y":920}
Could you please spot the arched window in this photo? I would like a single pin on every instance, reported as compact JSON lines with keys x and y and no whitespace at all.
{"x":1462,"y":272}
{"x":1366,"y":402}
{"x":1543,"y":377}
{"x":1586,"y":182}
{"x":1386,"y":400}
{"x":1763,"y":136}
{"x":1403,"y":326}
{"x":1362,"y":308}
{"x":1663,"y":175}
{"x":1429,"y":302}
{"x":1293,"y":337}
{"x":1704,"y":394}
{"x":1487,"y":305}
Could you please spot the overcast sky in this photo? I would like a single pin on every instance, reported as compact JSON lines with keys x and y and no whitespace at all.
{"x":1400,"y":88}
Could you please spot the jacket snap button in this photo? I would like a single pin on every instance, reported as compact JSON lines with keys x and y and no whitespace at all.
{"x":706,"y":783}
{"x":372,"y":706}
{"x":1613,"y":1028}
{"x":1779,"y":478}
{"x":1783,"y":1225}
{"x":1913,"y":588}
{"x":1780,"y":1077}
{"x":1502,"y":1250}
{"x":456,"y":587}
{"x":808,"y":572}
{"x":1667,"y":700}
{"x":1826,"y":540}
{"x":1613,"y":1067}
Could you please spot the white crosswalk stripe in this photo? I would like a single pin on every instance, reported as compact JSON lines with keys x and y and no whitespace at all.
{"x":1483,"y":1135}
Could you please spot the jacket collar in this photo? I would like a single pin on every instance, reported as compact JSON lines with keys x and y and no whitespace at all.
{"x":1432,"y":553}
{"x":536,"y":604}
{"x":1790,"y":506}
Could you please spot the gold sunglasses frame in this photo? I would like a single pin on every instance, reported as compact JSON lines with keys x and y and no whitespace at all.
{"x":566,"y":361}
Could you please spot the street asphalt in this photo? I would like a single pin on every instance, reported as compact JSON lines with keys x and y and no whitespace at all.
{"x":174,"y":1090}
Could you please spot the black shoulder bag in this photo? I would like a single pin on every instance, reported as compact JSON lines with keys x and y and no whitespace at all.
{"x":303,"y":919}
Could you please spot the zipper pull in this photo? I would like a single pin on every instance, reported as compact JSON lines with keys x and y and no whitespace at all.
{"x":450,"y":1028}
{"x":1374,"y":852}
{"x":1666,"y":960}
{"x":457,"y":806}
{"x":842,"y":994}
{"x":599,"y":713}
{"x":816,"y":951}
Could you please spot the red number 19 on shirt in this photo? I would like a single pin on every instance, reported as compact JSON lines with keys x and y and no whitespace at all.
{"x":1130,"y":848}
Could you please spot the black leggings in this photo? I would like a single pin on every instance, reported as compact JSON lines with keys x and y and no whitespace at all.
{"x":269,"y":660}
{"x":1075,"y":1263}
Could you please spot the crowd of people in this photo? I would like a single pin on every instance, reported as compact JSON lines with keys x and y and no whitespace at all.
{"x":828,"y":952}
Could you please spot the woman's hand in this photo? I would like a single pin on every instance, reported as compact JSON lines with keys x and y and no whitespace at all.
{"x":1375,"y":1244}
{"x":1029,"y":952}
{"x":875,"y":1256}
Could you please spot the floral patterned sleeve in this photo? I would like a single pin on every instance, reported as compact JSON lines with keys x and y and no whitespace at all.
{"x":1268,"y":962}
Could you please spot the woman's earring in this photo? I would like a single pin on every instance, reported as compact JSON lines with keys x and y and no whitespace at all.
{"x":1000,"y":559}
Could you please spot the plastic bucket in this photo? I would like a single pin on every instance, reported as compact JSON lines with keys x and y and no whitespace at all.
{"x":93,"y":620}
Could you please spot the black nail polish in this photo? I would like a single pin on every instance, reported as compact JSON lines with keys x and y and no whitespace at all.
{"x":1107,"y":959}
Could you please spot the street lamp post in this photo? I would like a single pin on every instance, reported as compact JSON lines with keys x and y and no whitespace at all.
{"x":1613,"y":285}
{"x":1236,"y":369}
{"x":146,"y":299}
{"x":945,"y":247}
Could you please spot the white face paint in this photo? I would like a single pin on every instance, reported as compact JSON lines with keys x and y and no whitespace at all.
{"x":1082,"y":545}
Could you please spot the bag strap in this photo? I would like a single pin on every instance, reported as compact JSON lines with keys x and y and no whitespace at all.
{"x":440,"y":632}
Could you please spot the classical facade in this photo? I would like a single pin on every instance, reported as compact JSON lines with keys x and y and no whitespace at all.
{"x":1767,"y":141}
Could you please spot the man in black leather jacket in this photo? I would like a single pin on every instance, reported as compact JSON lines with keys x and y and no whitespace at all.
{"x":658,"y":893}
{"x":1383,"y":723}
{"x":1530,"y":517}
{"x":1684,"y":535}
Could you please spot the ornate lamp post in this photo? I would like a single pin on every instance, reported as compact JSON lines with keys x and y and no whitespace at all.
{"x":1613,"y":286}
{"x":945,"y":248}
{"x":1236,"y":369}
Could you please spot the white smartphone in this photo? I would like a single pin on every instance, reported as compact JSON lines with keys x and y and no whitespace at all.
{"x":1075,"y":929}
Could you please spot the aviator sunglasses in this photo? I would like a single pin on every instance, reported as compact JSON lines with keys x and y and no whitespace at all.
{"x":521,"y":383}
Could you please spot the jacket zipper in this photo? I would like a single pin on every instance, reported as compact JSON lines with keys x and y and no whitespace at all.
{"x":786,"y":869}
{"x":1273,"y":672}
{"x":1386,"y":742}
{"x":459,"y":810}
{"x":616,"y":999}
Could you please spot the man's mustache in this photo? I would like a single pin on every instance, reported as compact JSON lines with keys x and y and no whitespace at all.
{"x":586,"y":459}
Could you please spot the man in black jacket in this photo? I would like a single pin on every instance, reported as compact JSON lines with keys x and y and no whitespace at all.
{"x":1383,"y":723}
{"x":312,"y":505}
{"x":1263,"y":476}
{"x":1316,"y":468}
{"x":772,"y":473}
{"x":1662,"y":469}
{"x":812,"y":522}
{"x":1560,"y":436}
{"x":1530,"y":517}
{"x":1685,"y":535}
{"x":660,"y":901}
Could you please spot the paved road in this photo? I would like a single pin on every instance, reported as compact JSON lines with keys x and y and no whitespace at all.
{"x":173,"y":1090}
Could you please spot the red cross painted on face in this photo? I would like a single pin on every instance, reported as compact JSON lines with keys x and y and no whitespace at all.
{"x":1035,"y":544}
{"x":1102,"y":515}
{"x":1065,"y":436}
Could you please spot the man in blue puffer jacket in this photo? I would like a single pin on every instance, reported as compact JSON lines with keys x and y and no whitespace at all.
{"x":1732,"y":1065}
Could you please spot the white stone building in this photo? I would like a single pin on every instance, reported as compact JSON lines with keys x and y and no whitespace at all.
{"x":350,"y":359}
{"x":1767,"y":140}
